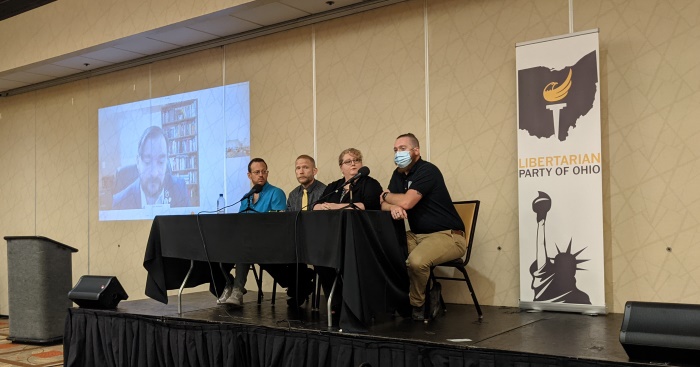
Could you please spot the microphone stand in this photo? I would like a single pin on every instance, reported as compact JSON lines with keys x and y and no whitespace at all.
{"x":352,"y":204}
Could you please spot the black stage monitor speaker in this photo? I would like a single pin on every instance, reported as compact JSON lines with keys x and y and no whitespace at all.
{"x":96,"y":291}
{"x":661,"y":332}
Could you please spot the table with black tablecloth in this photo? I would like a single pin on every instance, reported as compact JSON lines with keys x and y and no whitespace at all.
{"x":367,"y":247}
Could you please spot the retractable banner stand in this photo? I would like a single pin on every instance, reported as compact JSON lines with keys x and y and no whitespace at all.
{"x":560,"y":174}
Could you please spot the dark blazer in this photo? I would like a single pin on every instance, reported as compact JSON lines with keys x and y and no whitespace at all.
{"x":174,"y":189}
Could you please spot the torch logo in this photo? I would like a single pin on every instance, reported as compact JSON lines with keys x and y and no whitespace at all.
{"x":556,"y":110}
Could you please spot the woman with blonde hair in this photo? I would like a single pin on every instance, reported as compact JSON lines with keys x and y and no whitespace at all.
{"x":363,"y":193}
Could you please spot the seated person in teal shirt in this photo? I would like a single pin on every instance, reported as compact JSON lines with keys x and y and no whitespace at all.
{"x":269,"y":199}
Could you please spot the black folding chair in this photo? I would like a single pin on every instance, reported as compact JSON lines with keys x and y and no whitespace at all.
{"x":315,"y":298}
{"x":468,"y":211}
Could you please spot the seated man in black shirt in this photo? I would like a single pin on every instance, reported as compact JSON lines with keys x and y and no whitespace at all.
{"x":417,"y":192}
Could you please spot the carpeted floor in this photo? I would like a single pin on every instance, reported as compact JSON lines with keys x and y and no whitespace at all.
{"x":13,"y":354}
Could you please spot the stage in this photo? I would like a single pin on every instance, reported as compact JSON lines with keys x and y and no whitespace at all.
{"x":149,"y":333}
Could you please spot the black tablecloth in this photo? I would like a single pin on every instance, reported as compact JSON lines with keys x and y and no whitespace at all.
{"x":368,"y":247}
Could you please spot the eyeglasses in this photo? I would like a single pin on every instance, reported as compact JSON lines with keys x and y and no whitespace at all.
{"x":350,"y":162}
{"x":260,"y":172}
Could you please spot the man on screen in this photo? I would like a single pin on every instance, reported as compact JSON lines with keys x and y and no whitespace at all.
{"x":270,"y":198}
{"x":417,"y":192}
{"x":155,"y":185}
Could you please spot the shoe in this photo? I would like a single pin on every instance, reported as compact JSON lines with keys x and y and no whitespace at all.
{"x":417,"y":314}
{"x":225,"y":294}
{"x":296,"y":302}
{"x":236,"y":297}
{"x":303,"y":296}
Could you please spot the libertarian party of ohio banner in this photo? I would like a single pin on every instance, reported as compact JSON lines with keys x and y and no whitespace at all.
{"x":560,"y":174}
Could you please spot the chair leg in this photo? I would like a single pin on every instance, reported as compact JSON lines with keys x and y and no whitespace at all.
{"x":316,"y":296}
{"x":312,"y":302}
{"x":274,"y":292}
{"x":426,"y":303}
{"x":317,"y":292}
{"x":471,"y":290}
{"x":258,"y":281}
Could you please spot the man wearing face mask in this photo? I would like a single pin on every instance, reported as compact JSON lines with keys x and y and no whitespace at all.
{"x":417,"y":192}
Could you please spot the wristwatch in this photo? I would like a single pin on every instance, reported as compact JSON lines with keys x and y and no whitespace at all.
{"x":384,"y":195}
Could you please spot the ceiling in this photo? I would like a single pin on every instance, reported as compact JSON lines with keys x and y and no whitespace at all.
{"x":10,"y":8}
{"x":247,"y":21}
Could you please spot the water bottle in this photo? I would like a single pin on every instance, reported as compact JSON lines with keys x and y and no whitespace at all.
{"x":220,"y":204}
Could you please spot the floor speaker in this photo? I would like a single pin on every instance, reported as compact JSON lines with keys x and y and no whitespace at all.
{"x":661,"y":332}
{"x":96,"y":291}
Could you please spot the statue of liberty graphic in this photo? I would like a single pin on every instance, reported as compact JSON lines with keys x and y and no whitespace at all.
{"x":554,"y":278}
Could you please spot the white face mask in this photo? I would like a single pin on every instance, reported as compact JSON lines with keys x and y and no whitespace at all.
{"x":402,"y":159}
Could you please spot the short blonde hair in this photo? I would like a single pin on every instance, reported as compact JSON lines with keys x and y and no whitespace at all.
{"x":353,"y":152}
{"x":308,"y":158}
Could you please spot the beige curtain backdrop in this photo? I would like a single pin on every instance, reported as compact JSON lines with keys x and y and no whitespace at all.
{"x":442,"y":69}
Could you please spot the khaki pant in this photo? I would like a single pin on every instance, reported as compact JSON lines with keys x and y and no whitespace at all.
{"x":425,"y":251}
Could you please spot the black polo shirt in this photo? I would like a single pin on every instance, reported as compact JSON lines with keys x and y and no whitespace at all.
{"x":435,"y":211}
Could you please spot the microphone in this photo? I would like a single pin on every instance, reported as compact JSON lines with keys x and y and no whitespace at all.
{"x":256,"y":189}
{"x":363,"y":171}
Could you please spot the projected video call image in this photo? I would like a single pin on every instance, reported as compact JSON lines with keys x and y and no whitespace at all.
{"x":174,"y":154}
